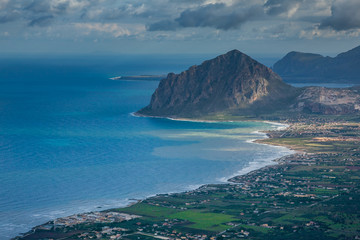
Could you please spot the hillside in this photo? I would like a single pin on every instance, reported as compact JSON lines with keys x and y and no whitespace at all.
{"x":315,"y":68}
{"x":230,"y":83}
{"x":328,"y":101}
{"x":235,"y":85}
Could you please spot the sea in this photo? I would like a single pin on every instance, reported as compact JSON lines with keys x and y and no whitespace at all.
{"x":69,"y":142}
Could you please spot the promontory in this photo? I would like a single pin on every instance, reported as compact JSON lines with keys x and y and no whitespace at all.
{"x":235,"y":85}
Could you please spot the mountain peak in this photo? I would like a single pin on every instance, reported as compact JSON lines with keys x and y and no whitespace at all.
{"x":235,"y":54}
{"x":229,"y":82}
{"x":232,"y":52}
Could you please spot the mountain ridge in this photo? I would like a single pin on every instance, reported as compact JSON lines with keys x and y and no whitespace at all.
{"x":315,"y":68}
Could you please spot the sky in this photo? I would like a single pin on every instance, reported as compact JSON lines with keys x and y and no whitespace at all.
{"x":258,"y":27}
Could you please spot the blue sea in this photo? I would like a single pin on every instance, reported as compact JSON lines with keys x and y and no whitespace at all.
{"x":69,"y":142}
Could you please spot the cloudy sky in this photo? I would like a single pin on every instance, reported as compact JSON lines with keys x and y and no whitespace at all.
{"x":260,"y":27}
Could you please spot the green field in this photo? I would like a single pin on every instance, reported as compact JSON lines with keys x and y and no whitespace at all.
{"x":149,"y":210}
{"x":290,"y":219}
{"x":255,"y":228}
{"x":205,"y":221}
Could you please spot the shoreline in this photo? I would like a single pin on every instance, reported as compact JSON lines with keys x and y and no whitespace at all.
{"x":282,"y":125}
{"x":248,"y":170}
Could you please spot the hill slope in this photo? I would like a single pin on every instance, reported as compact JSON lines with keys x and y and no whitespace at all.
{"x":328,"y":101}
{"x":232,"y":83}
{"x":302,"y":67}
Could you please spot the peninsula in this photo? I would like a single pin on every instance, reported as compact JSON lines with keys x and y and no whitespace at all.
{"x":139,"y":78}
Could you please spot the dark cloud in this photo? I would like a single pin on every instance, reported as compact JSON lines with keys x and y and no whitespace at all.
{"x":345,"y":15}
{"x":9,"y":16}
{"x":149,"y":10}
{"x":277,"y":7}
{"x":38,"y":12}
{"x":112,"y":14}
{"x":41,"y":13}
{"x":218,"y":16}
{"x":165,"y":25}
{"x":45,"y":7}
{"x":41,"y":21}
{"x":36,"y":7}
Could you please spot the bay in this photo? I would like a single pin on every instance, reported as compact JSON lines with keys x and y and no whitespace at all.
{"x":69,"y":142}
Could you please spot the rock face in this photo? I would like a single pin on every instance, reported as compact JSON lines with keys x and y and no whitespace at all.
{"x":235,"y":84}
{"x":302,"y":67}
{"x":328,"y":101}
{"x":232,"y":82}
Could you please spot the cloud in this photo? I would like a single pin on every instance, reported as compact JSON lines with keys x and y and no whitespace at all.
{"x":164,"y":25}
{"x":218,"y":16}
{"x":232,"y":14}
{"x":9,"y":16}
{"x":214,"y":15}
{"x":142,"y":10}
{"x":123,"y":11}
{"x":187,"y":19}
{"x":114,"y":29}
{"x":3,"y":3}
{"x":345,"y":15}
{"x":316,"y":32}
{"x":42,"y":21}
{"x":36,"y":7}
{"x":40,"y":12}
{"x":282,"y":7}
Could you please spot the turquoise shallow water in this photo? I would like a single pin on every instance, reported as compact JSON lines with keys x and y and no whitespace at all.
{"x":68,"y":141}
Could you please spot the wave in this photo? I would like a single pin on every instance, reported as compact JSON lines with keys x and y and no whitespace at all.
{"x":252,"y":166}
{"x":280,"y":126}
{"x":260,"y":162}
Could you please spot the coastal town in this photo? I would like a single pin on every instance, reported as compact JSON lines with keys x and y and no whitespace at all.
{"x":313,"y":194}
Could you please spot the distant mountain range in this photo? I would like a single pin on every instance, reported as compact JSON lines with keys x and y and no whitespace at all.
{"x":234,"y":84}
{"x":315,"y":68}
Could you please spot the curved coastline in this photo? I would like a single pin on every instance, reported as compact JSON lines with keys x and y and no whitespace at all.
{"x":253,"y":166}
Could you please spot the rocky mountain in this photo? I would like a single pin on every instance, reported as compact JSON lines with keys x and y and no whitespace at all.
{"x":231,"y":83}
{"x":234,"y":84}
{"x":328,"y":101}
{"x":315,"y":68}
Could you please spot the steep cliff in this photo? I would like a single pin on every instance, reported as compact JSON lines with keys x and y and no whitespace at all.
{"x":232,"y":82}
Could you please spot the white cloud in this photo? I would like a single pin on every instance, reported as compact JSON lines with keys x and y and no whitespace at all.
{"x":116,"y":30}
{"x":317,"y":32}
{"x":293,"y":10}
{"x":226,"y":2}
{"x":72,"y":4}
